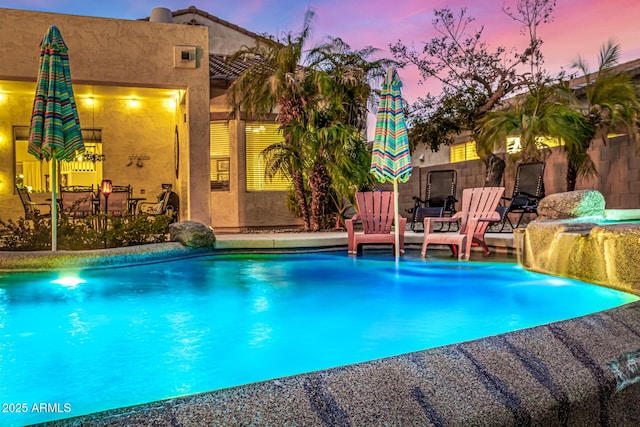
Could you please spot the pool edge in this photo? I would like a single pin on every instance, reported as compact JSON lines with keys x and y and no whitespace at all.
{"x":578,"y":371}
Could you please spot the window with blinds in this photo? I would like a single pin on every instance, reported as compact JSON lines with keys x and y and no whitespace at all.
{"x":220,"y":152}
{"x":463,"y":152}
{"x":260,"y":135}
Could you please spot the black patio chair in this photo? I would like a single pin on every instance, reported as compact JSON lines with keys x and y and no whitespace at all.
{"x":78,"y":200}
{"x":439,"y":200}
{"x":528,"y":190}
{"x":117,"y":202}
{"x":32,"y":210}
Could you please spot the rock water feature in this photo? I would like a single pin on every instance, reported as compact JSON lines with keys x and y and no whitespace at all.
{"x":575,"y":236}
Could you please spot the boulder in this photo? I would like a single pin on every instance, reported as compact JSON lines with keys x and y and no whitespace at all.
{"x":192,"y":234}
{"x":572,"y":204}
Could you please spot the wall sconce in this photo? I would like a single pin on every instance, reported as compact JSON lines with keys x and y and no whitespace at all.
{"x":421,"y":158}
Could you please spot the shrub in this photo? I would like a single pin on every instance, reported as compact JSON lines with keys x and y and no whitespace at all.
{"x":92,"y":232}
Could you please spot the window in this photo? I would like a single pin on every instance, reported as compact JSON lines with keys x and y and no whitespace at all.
{"x":260,"y":135}
{"x":85,"y":169}
{"x":514,"y":145}
{"x":463,"y":152}
{"x":220,"y":152}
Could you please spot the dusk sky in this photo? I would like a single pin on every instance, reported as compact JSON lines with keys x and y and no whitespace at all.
{"x":580,"y":27}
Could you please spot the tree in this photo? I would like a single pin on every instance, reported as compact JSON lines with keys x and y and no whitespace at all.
{"x":608,"y":101}
{"x":474,"y":78}
{"x":352,"y":72}
{"x":335,"y":154}
{"x":335,"y":124}
{"x":540,"y":113}
{"x":275,"y":78}
{"x":322,"y":103}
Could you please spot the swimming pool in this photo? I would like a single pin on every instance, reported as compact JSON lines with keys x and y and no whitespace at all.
{"x":109,"y":338}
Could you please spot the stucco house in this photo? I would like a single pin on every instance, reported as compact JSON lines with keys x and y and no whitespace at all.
{"x":152,"y":105}
{"x":151,"y":96}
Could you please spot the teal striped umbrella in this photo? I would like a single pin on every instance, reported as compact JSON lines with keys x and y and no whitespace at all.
{"x":55,"y":132}
{"x":390,"y":158}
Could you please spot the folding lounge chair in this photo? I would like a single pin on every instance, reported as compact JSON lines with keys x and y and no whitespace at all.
{"x":478,"y":210}
{"x":375,"y":210}
{"x":528,"y":190}
{"x":440,"y":197}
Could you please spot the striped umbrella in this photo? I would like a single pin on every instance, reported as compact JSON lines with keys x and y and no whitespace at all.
{"x":391,"y":160}
{"x":55,"y":132}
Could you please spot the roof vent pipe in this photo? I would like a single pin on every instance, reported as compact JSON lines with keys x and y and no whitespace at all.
{"x":161,"y":14}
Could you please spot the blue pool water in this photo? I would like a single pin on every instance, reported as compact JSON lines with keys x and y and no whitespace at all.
{"x":125,"y":336}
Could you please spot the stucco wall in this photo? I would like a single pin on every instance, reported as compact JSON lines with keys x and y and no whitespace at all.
{"x":113,"y":52}
{"x":222,"y":39}
{"x":239,"y":209}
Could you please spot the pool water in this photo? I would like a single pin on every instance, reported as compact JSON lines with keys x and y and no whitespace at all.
{"x":86,"y":341}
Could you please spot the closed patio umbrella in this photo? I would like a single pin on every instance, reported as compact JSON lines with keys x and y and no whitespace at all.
{"x":55,"y":132}
{"x":391,"y":160}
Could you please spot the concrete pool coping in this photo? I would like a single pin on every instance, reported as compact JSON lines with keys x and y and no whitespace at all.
{"x":583,"y":371}
{"x":240,"y":242}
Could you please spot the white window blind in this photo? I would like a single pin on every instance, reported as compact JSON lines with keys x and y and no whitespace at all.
{"x":260,"y":135}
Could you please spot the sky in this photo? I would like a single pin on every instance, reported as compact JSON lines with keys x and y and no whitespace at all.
{"x":580,"y":27}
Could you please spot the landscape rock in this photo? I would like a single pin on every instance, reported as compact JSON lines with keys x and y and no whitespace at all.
{"x":192,"y":234}
{"x":572,"y":204}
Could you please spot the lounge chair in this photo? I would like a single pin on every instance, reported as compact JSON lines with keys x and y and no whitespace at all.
{"x":528,"y":190}
{"x":375,"y":210}
{"x":32,"y":210}
{"x":439,"y":200}
{"x":478,"y":210}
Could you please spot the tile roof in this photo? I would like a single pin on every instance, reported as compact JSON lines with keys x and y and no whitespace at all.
{"x":195,"y":11}
{"x":221,"y":69}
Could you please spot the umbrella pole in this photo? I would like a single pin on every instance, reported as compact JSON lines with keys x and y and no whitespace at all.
{"x":54,"y":206}
{"x":396,"y":217}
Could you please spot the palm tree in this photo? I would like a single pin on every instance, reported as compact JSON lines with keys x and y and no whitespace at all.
{"x":338,"y":158}
{"x":352,"y":73}
{"x":335,"y":129}
{"x":322,"y":108}
{"x":276,"y":79}
{"x":608,"y":101}
{"x":538,"y":113}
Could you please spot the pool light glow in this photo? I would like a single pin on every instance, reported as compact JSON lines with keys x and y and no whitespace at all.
{"x":69,"y":282}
